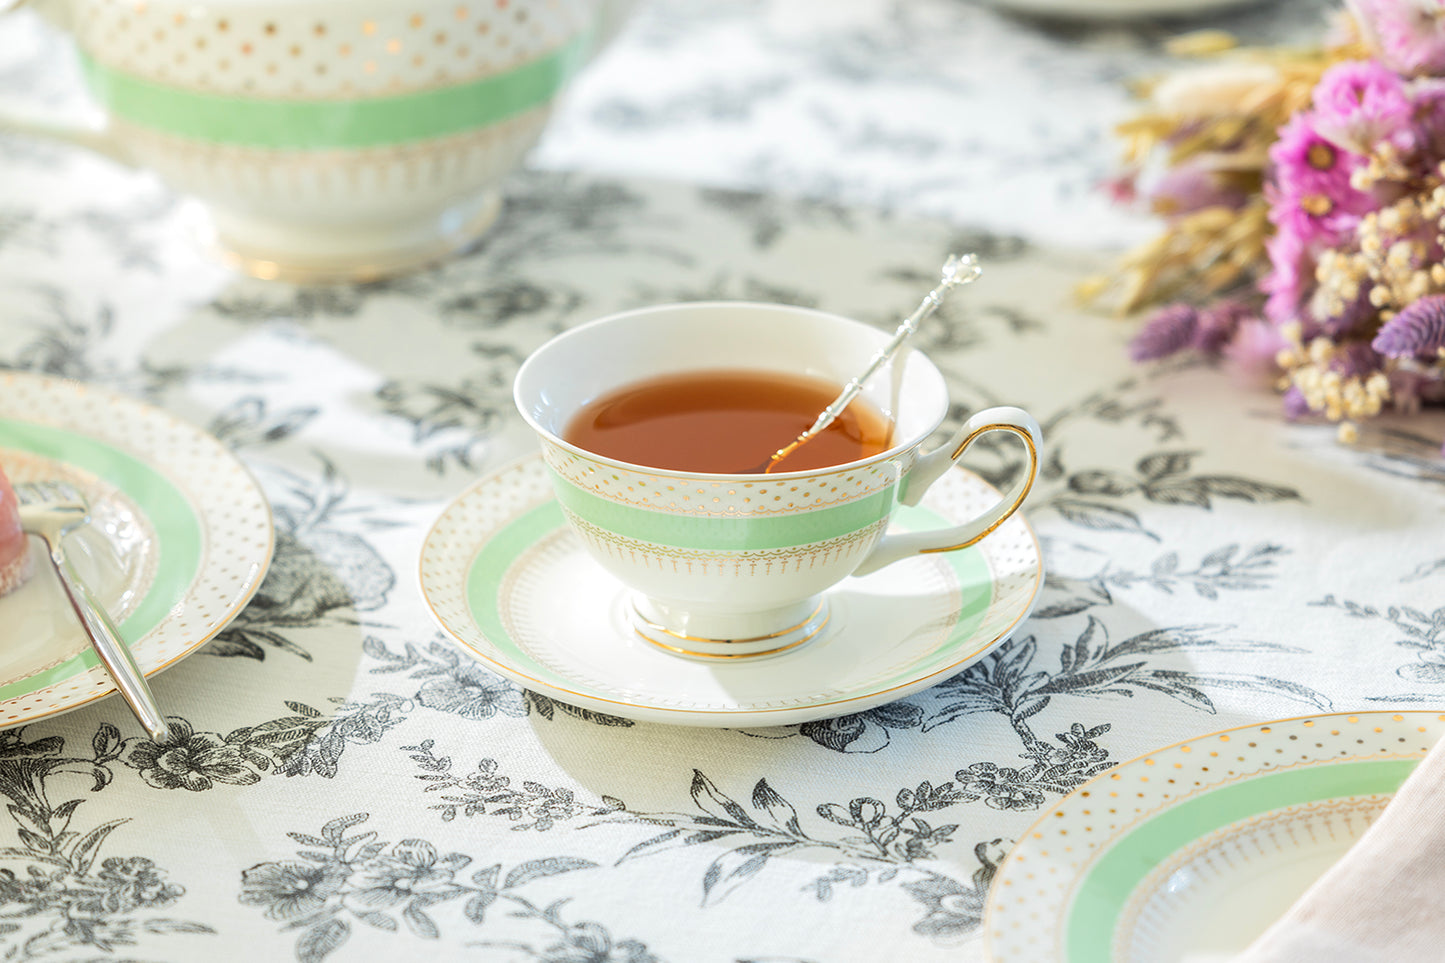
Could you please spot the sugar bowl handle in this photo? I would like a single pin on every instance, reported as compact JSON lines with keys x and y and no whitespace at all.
{"x":94,"y":134}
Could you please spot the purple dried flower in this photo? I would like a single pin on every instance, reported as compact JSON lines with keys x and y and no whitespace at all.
{"x":1193,"y":186}
{"x":1356,"y":360}
{"x":1355,"y":313}
{"x":1169,"y":331}
{"x":1218,"y":323}
{"x":1427,"y":107}
{"x":1417,"y":330}
{"x":1295,"y":405}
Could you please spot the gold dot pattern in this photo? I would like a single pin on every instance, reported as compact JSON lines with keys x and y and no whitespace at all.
{"x":237,"y":536}
{"x":766,"y":495}
{"x":469,"y":523}
{"x":323,"y":59}
{"x":1031,"y":894}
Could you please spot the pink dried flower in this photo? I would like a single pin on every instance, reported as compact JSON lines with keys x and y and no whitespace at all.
{"x":1360,"y":103}
{"x":1406,"y":35}
{"x":1417,"y":330}
{"x":1312,"y":194}
{"x":1252,"y":351}
{"x":1290,"y":268}
{"x":1307,"y":162}
{"x":1123,"y":189}
{"x":1168,"y":332}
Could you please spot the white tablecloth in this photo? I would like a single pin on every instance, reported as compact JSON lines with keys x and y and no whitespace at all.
{"x":349,"y":785}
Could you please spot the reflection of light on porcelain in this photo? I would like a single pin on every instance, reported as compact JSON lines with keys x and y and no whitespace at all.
{"x":1181,"y":882}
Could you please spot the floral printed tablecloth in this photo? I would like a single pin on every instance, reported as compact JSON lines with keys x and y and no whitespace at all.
{"x":346,"y":784}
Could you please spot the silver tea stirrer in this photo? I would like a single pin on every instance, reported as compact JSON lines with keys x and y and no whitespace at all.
{"x":957,"y":271}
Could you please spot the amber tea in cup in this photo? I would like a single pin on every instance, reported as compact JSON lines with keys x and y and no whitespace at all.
{"x":726,"y":422}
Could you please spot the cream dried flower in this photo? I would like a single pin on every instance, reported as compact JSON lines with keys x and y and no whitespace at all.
{"x":1214,"y":89}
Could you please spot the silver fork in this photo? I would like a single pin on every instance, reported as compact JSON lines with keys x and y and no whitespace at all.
{"x":50,"y":510}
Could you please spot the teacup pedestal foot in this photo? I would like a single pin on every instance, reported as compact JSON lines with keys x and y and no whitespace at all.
{"x":311,"y":253}
{"x":723,"y":637}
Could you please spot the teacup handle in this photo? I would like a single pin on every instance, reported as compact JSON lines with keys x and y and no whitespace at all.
{"x":95,"y":137}
{"x":930,"y":467}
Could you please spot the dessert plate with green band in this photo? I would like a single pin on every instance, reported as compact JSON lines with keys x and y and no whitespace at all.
{"x":1191,"y":852}
{"x":507,"y":578}
{"x":179,"y":539}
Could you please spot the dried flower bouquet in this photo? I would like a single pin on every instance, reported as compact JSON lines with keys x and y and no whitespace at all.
{"x":1303,"y":196}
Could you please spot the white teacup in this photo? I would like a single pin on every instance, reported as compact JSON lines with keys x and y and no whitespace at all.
{"x":732,"y":566}
{"x":329,"y":139}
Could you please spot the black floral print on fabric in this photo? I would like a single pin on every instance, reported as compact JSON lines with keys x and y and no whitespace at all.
{"x":340,"y":880}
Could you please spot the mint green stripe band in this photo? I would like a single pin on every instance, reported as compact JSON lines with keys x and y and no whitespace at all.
{"x":1100,"y":901}
{"x":724,"y":533}
{"x":489,"y":570}
{"x":178,"y":530}
{"x":501,"y":552}
{"x":316,"y":125}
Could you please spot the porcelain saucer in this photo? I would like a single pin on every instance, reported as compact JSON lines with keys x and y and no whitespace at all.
{"x":505,"y":577}
{"x":1189,"y":853}
{"x":179,"y":539}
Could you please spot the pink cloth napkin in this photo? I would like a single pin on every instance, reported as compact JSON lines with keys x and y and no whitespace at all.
{"x":1384,"y":902}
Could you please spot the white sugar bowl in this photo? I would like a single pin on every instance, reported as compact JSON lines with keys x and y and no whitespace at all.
{"x":328,"y":139}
